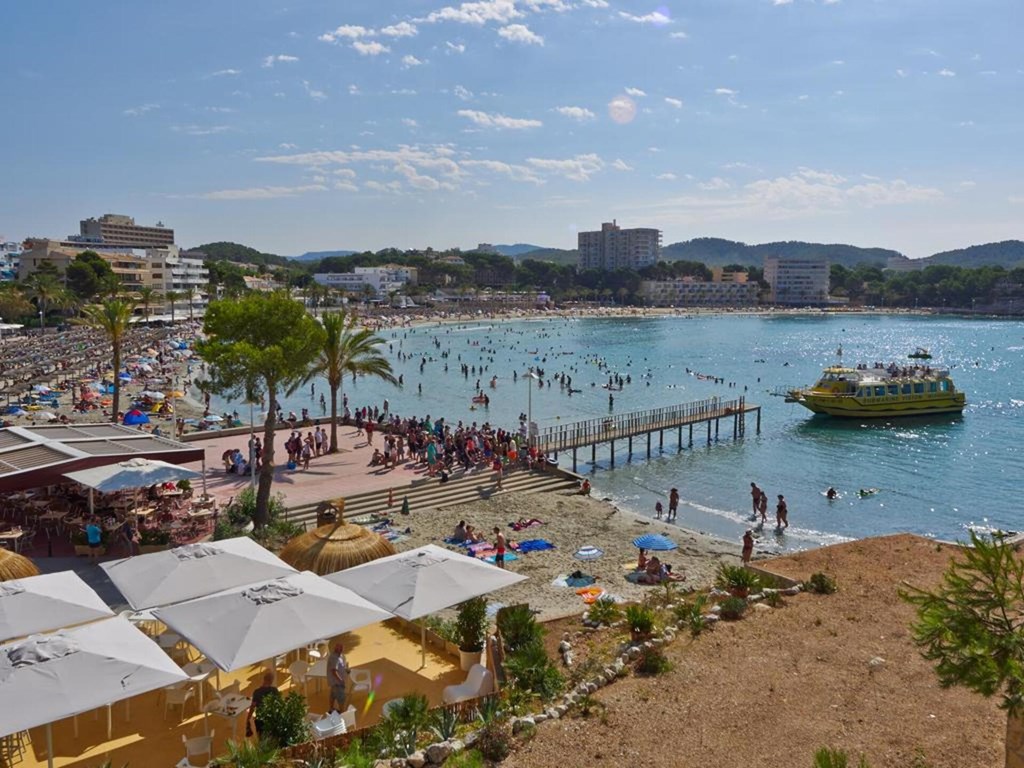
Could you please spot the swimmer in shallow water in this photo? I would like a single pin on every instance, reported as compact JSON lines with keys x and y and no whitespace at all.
{"x":831,"y":493}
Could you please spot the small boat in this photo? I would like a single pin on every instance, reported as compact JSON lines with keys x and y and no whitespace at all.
{"x":864,"y":392}
{"x":920,"y":354}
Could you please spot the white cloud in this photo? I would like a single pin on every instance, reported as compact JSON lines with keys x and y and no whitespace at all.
{"x":1015,"y":199}
{"x":596,"y":3}
{"x":415,"y":179}
{"x":578,"y":168}
{"x":802,"y":97}
{"x":576,"y":113}
{"x":479,"y":13}
{"x":947,"y":73}
{"x":313,"y":93}
{"x":346,"y":31}
{"x":409,"y":122}
{"x":621,"y":165}
{"x":463,"y":92}
{"x":824,"y":177}
{"x":520,"y":33}
{"x":666,"y":177}
{"x":968,"y":184}
{"x":837,"y":62}
{"x":225,"y":73}
{"x":635,"y":92}
{"x":410,"y":61}
{"x":715,"y":184}
{"x":725,"y":92}
{"x":678,"y":35}
{"x":281,"y":58}
{"x":372,"y":48}
{"x":454,"y":47}
{"x":403,"y":91}
{"x":140,"y":110}
{"x":901,"y":73}
{"x":513,"y":171}
{"x":401,"y":29}
{"x":654,"y":17}
{"x":200,"y":130}
{"x":287,"y":145}
{"x":262,"y":193}
{"x":353,"y":90}
{"x":494,"y":120}
{"x":221,"y":110}
{"x":677,"y":103}
{"x":622,"y":109}
{"x":781,"y":2}
{"x":558,"y":6}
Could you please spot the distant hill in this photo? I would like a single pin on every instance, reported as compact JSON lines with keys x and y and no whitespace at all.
{"x":242,"y":254}
{"x":554,"y":255}
{"x":716,"y":252}
{"x":517,"y":250}
{"x":1008,"y":254}
{"x":318,"y":255}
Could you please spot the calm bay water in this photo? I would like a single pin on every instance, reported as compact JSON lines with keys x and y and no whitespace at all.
{"x":936,"y":476}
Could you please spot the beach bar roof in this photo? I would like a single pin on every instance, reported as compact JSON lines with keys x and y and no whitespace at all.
{"x":31,"y":457}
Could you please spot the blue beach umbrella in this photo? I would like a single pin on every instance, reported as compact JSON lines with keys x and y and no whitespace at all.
{"x":134,"y":417}
{"x":588,"y":552}
{"x":654,"y":541}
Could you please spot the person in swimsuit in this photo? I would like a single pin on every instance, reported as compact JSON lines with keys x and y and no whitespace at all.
{"x":673,"y":504}
{"x":748,"y":546}
{"x":781,"y":512}
{"x":762,"y":507}
{"x":499,"y":546}
{"x":755,"y":497}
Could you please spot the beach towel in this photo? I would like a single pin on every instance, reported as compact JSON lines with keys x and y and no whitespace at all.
{"x":535,"y":545}
{"x":590,"y":594}
{"x":509,"y":557}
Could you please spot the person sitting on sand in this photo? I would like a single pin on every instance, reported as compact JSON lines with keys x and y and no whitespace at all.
{"x":585,"y":488}
{"x":652,"y":572}
{"x":377,"y":459}
{"x":641,"y":560}
{"x":472,"y":535}
{"x":459,"y":534}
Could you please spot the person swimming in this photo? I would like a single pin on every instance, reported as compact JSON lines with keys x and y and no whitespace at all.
{"x":831,"y":494}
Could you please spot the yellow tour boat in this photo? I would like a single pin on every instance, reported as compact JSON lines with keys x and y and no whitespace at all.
{"x":879,"y":392}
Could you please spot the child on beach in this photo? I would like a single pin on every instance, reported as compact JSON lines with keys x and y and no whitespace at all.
{"x":658,"y":509}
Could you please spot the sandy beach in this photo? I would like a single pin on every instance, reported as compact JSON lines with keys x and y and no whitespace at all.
{"x":570,"y":522}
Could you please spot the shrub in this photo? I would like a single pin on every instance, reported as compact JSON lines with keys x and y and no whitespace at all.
{"x":184,"y":485}
{"x":531,"y":669}
{"x":736,"y":578}
{"x":444,"y":722}
{"x":652,"y":661}
{"x":733,"y":608}
{"x":283,"y":719}
{"x":153,"y":537}
{"x":446,"y":629}
{"x":692,"y":614}
{"x":835,"y":758}
{"x":471,"y":758}
{"x":586,"y":705}
{"x":774,"y":599}
{"x":604,"y":611}
{"x":494,"y":739}
{"x":640,"y":619}
{"x":472,"y":624}
{"x":519,"y":628}
{"x":408,"y":717}
{"x":358,"y":754}
{"x":821,"y":584}
{"x":248,"y":754}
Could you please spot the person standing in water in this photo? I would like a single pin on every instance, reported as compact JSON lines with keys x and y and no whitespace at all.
{"x":762,"y":507}
{"x":673,"y":504}
{"x":755,"y":498}
{"x":748,"y":546}
{"x":781,"y":513}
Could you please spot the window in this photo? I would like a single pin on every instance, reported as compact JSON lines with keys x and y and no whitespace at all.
{"x":906,"y":389}
{"x":894,"y":389}
{"x":919,"y":388}
{"x":879,"y":391}
{"x":932,"y":387}
{"x":944,"y":385}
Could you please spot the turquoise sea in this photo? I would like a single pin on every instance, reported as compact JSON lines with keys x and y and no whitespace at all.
{"x":935,"y":476}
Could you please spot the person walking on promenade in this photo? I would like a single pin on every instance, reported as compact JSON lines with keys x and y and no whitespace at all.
{"x":748,"y":546}
{"x":781,"y":513}
{"x":673,"y":504}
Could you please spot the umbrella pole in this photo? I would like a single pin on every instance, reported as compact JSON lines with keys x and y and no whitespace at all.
{"x":49,"y":745}
{"x":423,"y":644}
{"x":204,"y":473}
{"x":91,"y":503}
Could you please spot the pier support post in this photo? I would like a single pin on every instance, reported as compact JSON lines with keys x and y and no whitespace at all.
{"x":691,"y":436}
{"x":629,"y":451}
{"x":709,"y":431}
{"x":573,"y":459}
{"x":759,"y":420}
{"x":717,"y":420}
{"x":648,"y":445}
{"x":613,"y":454}
{"x":679,"y":440}
{"x":593,"y":454}
{"x":735,"y":426}
{"x":661,"y":440}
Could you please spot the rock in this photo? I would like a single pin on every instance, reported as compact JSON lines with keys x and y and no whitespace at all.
{"x":710,"y":618}
{"x":438,"y":753}
{"x":564,"y":646}
{"x":382,"y":764}
{"x":755,"y":598}
{"x":552,"y":713}
{"x":761,"y":607}
{"x":398,"y":762}
{"x":618,"y":664}
{"x":471,"y":739}
{"x":623,"y":659}
{"x":791,"y":591}
{"x":716,"y":609}
{"x":655,"y":642}
{"x":591,"y":687}
{"x":634,"y":653}
{"x":561,"y":709}
{"x":416,"y":760}
{"x":522,"y":722}
{"x":540,"y":717}
{"x":876,"y":663}
{"x":457,"y":745}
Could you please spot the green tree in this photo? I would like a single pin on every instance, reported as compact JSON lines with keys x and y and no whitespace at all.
{"x":172,"y":297}
{"x":147,"y":296}
{"x":189,"y":294}
{"x":85,"y":274}
{"x":113,"y":317}
{"x":972,"y":626}
{"x":264,"y":342}
{"x":347,"y":349}
{"x":13,"y":303}
{"x":45,"y":290}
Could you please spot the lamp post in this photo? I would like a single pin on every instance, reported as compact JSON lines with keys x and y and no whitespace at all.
{"x":530,"y":376}
{"x":41,"y":329}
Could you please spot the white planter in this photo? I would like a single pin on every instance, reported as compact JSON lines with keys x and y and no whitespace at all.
{"x":468,"y":658}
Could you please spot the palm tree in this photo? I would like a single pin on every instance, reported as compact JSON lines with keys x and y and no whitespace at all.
{"x":190,"y":294}
{"x":110,"y":286}
{"x":113,"y":317}
{"x":172,"y":296}
{"x":347,"y":349}
{"x":44,"y":288}
{"x":148,"y":295}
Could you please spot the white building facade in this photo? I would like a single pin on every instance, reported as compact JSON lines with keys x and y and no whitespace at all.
{"x":797,"y":281}
{"x":383,"y":280}
{"x":612,"y":247}
{"x":689,"y":292}
{"x":170,"y":271}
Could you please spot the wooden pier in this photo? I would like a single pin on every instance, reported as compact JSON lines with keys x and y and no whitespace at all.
{"x":626,"y":426}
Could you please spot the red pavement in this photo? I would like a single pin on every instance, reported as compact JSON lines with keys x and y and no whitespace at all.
{"x":341,"y":474}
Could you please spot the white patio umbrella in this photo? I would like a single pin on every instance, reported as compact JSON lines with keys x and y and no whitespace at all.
{"x":194,"y":570}
{"x":49,"y":601}
{"x":50,"y":677}
{"x":133,"y":473}
{"x":247,"y":625}
{"x":422,"y":581}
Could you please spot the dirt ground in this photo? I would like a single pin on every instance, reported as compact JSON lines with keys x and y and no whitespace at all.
{"x":769,"y":690}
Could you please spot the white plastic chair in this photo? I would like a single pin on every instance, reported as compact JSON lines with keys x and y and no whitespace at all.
{"x":479,"y":682}
{"x":299,"y":672}
{"x":362,"y":680}
{"x":198,"y":752}
{"x":349,"y":718}
{"x":177,"y":696}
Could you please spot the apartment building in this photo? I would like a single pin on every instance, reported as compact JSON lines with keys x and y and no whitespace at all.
{"x":612,"y":247}
{"x":114,"y":229}
{"x":382,"y":280}
{"x":690,"y":292}
{"x":131,"y":269}
{"x":797,"y":281}
{"x":172,"y":270}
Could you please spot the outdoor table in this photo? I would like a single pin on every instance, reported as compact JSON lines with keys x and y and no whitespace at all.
{"x":143,"y":512}
{"x":231,"y":707}
{"x":176,"y":492}
{"x":13,"y":536}
{"x":199,"y":672}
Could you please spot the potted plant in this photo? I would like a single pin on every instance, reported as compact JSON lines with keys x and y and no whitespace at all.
{"x":153,"y":540}
{"x":737,"y":580}
{"x":640,"y":619}
{"x":472,"y":627}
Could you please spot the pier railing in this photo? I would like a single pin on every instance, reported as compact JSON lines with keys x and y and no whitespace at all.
{"x":563,"y":437}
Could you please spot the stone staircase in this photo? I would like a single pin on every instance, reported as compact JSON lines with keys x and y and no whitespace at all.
{"x":428,"y":493}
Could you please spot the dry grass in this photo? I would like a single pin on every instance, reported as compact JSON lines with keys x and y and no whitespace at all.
{"x":772,"y":688}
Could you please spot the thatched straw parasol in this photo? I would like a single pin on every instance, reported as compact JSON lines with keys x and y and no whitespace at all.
{"x":334,"y":547}
{"x":15,"y":566}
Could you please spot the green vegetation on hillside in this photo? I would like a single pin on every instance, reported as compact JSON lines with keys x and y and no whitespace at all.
{"x":716,"y":252}
{"x":241,"y":254}
{"x":1008,"y":254}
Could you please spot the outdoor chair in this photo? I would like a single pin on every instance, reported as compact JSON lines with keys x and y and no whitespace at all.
{"x":299,"y":672}
{"x":361,"y":679}
{"x":479,"y":682}
{"x":178,"y":696}
{"x":349,"y":718}
{"x":198,"y":752}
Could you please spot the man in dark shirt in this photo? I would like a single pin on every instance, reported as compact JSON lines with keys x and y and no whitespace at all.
{"x":267,"y":689}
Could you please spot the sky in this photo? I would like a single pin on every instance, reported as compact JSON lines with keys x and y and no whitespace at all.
{"x":363,"y":124}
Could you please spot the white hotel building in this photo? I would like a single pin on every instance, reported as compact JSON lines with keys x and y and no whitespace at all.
{"x":382,"y":280}
{"x":797,"y":281}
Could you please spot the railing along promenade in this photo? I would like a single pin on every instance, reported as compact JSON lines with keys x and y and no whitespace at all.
{"x":626,"y":426}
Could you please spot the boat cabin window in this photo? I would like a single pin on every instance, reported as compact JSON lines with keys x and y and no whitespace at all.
{"x":894,"y":389}
{"x":933,"y":387}
{"x":906,"y":389}
{"x":879,"y":391}
{"x":860,"y":391}
{"x":919,"y":388}
{"x":944,"y":385}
